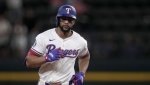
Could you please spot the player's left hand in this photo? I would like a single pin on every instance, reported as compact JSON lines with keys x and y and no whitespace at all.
{"x":77,"y":79}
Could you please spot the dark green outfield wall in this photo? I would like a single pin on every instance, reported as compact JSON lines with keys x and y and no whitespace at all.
{"x":141,"y":67}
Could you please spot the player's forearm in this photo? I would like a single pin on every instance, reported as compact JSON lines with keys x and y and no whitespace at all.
{"x":84,"y":63}
{"x":34,"y":61}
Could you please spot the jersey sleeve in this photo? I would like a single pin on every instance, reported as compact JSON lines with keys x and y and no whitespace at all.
{"x":39,"y":46}
{"x":84,"y":49}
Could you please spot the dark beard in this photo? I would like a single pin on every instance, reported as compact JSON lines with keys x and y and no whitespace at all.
{"x":64,"y":31}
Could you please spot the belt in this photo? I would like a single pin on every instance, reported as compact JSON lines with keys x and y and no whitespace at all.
{"x":53,"y":84}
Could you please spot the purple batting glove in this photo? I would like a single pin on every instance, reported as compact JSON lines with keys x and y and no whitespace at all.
{"x":77,"y":79}
{"x":53,"y":55}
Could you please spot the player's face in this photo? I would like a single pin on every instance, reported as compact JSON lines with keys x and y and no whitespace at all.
{"x":66,"y":23}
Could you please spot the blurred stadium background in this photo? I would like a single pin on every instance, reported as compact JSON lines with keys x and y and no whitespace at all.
{"x":117,"y":31}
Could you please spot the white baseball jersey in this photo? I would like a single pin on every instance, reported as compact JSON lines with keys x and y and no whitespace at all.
{"x":60,"y":70}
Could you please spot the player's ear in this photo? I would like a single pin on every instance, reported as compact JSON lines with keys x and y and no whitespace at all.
{"x":73,"y":22}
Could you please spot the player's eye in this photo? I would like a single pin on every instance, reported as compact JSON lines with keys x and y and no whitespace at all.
{"x":70,"y":20}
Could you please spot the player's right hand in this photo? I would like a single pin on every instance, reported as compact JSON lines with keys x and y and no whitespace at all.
{"x":53,"y":55}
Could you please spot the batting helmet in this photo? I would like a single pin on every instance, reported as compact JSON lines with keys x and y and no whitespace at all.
{"x":66,"y":11}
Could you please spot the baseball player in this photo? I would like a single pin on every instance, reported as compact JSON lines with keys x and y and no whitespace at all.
{"x":55,"y":51}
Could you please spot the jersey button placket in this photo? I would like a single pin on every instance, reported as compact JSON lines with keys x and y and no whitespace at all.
{"x":63,"y":44}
